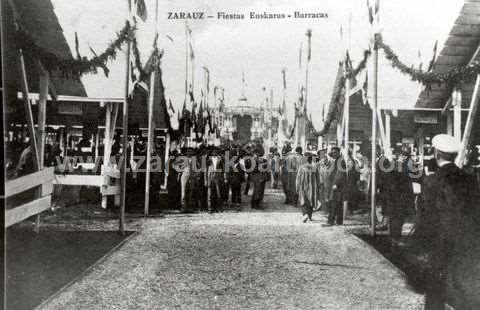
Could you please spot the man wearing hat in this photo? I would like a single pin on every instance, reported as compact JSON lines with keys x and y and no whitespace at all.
{"x":334,"y":187}
{"x":293,"y":161}
{"x":284,"y":171}
{"x":306,"y":186}
{"x":259,"y":177}
{"x":322,"y":166}
{"x":445,"y":199}
{"x":189,"y":182}
{"x":215,"y":180}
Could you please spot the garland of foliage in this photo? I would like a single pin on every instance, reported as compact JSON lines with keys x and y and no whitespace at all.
{"x":80,"y":65}
{"x":351,"y":73}
{"x":451,"y":78}
{"x":456,"y":76}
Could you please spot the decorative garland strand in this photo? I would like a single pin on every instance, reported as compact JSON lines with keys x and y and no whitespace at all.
{"x":456,"y":76}
{"x":79,"y":66}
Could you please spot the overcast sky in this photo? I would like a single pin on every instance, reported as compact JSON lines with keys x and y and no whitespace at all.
{"x":261,"y":48}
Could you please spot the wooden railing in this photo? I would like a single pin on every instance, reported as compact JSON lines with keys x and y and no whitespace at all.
{"x":44,"y":179}
{"x":108,"y":182}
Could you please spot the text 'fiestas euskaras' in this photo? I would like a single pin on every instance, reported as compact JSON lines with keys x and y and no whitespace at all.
{"x":221,"y":15}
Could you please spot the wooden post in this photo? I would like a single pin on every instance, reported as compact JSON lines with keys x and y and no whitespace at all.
{"x":381,"y":127}
{"x":374,"y":139}
{"x":107,"y":147}
{"x":421,"y":144}
{"x":42,"y":109}
{"x":29,"y":115}
{"x":123,"y":166}
{"x":388,"y":134}
{"x":346,"y":112}
{"x":151,"y":101}
{"x":167,"y":156}
{"x":186,"y":62}
{"x":469,"y":125}
{"x":457,"y":114}
{"x":449,"y":123}
{"x":346,"y":136}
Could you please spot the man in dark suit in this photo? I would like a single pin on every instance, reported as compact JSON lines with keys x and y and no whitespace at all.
{"x":445,"y":200}
{"x":335,"y":186}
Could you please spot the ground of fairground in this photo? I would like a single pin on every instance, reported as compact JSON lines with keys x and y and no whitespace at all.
{"x":239,"y":259}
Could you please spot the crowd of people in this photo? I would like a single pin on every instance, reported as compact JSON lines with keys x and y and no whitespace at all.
{"x":210,"y":178}
{"x":438,"y":196}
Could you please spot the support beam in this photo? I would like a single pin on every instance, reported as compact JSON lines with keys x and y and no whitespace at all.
{"x":450,"y":123}
{"x":346,"y":114}
{"x":151,"y":101}
{"x":374,"y":138}
{"x":388,"y":133}
{"x":123,"y":166}
{"x":450,"y":100}
{"x":166,"y":164}
{"x":457,"y":114}
{"x":107,"y":145}
{"x":42,"y":113}
{"x":29,"y":114}
{"x":469,"y":125}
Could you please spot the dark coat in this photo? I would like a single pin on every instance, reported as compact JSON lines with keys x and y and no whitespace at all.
{"x":445,"y":200}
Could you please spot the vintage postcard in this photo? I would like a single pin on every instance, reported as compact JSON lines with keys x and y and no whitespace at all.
{"x":254,"y":154}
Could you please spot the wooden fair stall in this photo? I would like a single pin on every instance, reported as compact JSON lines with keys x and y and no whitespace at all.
{"x":108,"y":181}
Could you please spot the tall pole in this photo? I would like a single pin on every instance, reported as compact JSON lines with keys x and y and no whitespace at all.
{"x":186,"y":61}
{"x":347,"y":90}
{"x":347,"y":113}
{"x":374,"y":139}
{"x":151,"y":100}
{"x":304,"y":123}
{"x":469,"y":125}
{"x":121,"y":222}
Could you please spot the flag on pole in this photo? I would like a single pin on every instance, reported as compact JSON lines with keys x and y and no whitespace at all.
{"x":141,"y":9}
{"x":300,"y":57}
{"x":174,"y":122}
{"x":207,"y":81}
{"x":348,"y":62}
{"x":309,"y":36}
{"x":365,"y":90}
{"x":370,"y":13}
{"x":77,"y":46}
{"x":420,"y":66}
{"x":192,"y":55}
{"x":432,"y":62}
{"x":373,"y":13}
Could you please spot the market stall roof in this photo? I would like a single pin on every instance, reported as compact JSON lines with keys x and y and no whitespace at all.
{"x":38,"y":18}
{"x":460,"y":48}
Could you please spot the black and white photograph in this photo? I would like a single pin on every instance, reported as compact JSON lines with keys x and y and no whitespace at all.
{"x":243,"y":154}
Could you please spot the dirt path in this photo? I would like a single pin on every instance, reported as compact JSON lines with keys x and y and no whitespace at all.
{"x":241,"y":260}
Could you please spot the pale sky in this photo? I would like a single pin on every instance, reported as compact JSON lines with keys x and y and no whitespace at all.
{"x":261,"y":48}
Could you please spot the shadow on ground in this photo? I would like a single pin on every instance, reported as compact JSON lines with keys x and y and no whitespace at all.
{"x":38,"y":265}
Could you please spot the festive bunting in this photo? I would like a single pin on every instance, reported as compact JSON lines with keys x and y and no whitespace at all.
{"x":80,"y":65}
{"x":456,"y":76}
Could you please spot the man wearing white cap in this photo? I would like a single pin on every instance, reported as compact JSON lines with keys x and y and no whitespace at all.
{"x":445,"y":199}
